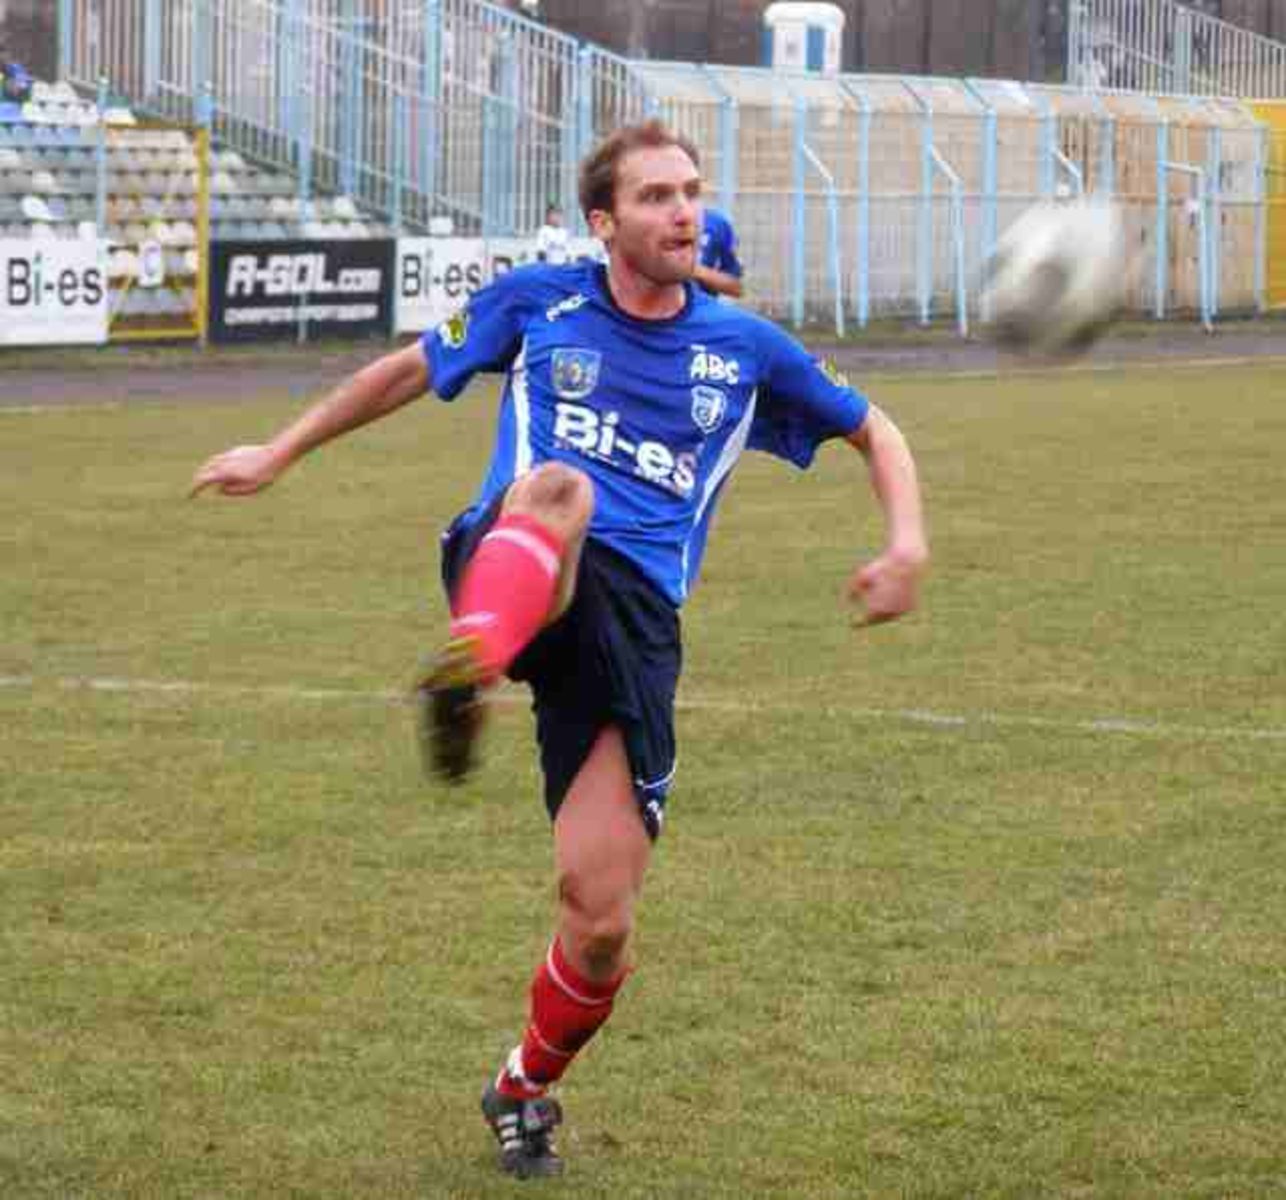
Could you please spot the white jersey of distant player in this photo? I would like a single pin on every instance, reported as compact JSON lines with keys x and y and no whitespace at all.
{"x":553,"y":244}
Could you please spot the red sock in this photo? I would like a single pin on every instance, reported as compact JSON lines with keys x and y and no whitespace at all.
{"x":507,"y":589}
{"x":566,"y":1011}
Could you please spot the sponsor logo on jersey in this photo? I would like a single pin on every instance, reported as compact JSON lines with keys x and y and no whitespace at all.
{"x":574,"y":372}
{"x":709,"y":367}
{"x":833,"y":373}
{"x":598,"y":435}
{"x":708,"y":406}
{"x":454,"y":331}
{"x":563,"y":307}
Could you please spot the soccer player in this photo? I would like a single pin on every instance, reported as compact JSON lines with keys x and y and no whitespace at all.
{"x":630,"y":396}
{"x":718,"y":267}
{"x":552,"y":238}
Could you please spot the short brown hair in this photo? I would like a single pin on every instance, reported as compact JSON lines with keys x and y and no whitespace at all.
{"x":598,"y":171}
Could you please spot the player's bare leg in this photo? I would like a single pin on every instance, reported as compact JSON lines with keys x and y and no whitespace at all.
{"x":521,"y":577}
{"x":601,"y":853}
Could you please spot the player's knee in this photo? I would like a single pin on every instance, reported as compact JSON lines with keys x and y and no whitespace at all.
{"x":555,"y":493}
{"x":597,"y":922}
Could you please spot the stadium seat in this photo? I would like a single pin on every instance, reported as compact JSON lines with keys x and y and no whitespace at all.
{"x":35,"y":209}
{"x":51,"y":167}
{"x":123,"y":264}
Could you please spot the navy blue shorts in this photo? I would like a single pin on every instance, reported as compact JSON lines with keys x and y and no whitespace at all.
{"x":613,"y":658}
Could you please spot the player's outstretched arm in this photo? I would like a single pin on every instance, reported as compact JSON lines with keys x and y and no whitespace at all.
{"x":373,"y":392}
{"x":889,"y":586}
{"x":722,"y":282}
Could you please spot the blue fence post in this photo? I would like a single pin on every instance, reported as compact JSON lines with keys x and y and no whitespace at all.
{"x":924,"y":250}
{"x":100,"y":162}
{"x":351,"y":89}
{"x":358,"y":117}
{"x":152,"y":50}
{"x":584,"y":115}
{"x":1107,"y":160}
{"x":1182,"y":52}
{"x":862,"y":284}
{"x":66,"y":38}
{"x":990,"y":180}
{"x":399,"y":162}
{"x":1215,"y":186}
{"x":568,"y":143}
{"x":585,"y":103}
{"x":728,"y":121}
{"x":304,"y":124}
{"x":1262,"y":160}
{"x":489,"y":197}
{"x":286,"y":74}
{"x":837,"y":267}
{"x":864,"y":215}
{"x":203,"y":111}
{"x":1162,"y":237}
{"x":430,"y":99}
{"x":729,"y":142}
{"x":297,"y":102}
{"x":508,"y":201}
{"x":1049,"y":146}
{"x":202,"y":49}
{"x":800,"y":217}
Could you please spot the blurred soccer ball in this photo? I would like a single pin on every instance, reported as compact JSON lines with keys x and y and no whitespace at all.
{"x":1056,"y":280}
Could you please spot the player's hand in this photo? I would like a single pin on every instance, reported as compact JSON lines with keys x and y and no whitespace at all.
{"x":888,"y":587}
{"x":241,"y":471}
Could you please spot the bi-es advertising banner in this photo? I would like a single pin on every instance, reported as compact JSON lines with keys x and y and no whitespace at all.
{"x":435,"y":276}
{"x":301,"y":290}
{"x":53,"y":293}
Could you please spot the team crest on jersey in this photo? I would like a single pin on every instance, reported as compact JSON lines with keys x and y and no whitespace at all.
{"x":454,"y":331}
{"x":575,"y":372}
{"x":708,"y":406}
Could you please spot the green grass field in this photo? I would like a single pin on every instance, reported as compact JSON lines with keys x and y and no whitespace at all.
{"x":987,"y":904}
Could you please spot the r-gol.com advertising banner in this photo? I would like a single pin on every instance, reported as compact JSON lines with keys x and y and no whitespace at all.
{"x":435,"y":276}
{"x":53,"y":293}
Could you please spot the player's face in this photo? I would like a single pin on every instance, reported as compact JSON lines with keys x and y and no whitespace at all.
{"x":656,"y":222}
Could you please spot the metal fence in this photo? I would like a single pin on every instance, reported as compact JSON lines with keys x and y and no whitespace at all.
{"x":855,"y":197}
{"x":452,"y":108}
{"x":1162,"y":46}
{"x":869,"y":196}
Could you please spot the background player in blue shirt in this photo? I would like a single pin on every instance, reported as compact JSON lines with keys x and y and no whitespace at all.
{"x":718,"y":268}
{"x":630,"y":394}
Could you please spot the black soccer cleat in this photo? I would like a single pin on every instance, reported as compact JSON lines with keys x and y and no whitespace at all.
{"x":450,"y":710}
{"x":524,"y":1130}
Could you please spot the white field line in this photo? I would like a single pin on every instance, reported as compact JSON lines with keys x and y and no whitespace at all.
{"x":1108,"y":725}
{"x":43,"y":410}
{"x":1007,"y":371}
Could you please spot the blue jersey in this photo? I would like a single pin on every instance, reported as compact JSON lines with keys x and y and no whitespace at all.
{"x":656,"y":413}
{"x":718,"y":246}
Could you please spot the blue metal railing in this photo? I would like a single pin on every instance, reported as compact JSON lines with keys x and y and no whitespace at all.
{"x":462,"y":109}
